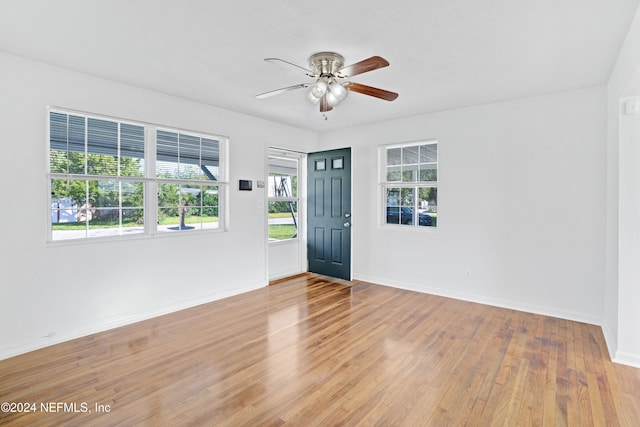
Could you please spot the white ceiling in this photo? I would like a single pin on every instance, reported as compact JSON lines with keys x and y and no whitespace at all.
{"x":444,"y":53}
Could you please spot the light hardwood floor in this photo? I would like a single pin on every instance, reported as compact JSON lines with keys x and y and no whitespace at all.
{"x":309,"y":351}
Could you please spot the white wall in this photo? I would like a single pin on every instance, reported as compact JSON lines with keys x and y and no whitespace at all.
{"x":622,"y":324}
{"x":74,"y":289}
{"x":287,"y":258}
{"x":521,"y":205}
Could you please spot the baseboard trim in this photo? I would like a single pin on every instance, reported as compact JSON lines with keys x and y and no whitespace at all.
{"x":513,"y":305}
{"x":628,"y":359}
{"x":123,"y":321}
{"x":610,"y":340}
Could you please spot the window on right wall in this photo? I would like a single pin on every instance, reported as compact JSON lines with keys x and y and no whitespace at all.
{"x":409,"y":181}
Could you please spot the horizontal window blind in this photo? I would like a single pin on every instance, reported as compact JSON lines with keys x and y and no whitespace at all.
{"x":184,"y":148}
{"x":95,"y":136}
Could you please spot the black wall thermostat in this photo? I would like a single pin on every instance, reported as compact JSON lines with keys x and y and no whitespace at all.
{"x":244,"y":185}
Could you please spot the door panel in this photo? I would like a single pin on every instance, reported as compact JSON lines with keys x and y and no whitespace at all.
{"x":329,"y":219}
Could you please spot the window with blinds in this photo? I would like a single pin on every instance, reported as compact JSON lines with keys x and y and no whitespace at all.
{"x":100,"y":182}
{"x":183,"y":162}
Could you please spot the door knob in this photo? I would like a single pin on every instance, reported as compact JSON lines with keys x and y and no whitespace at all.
{"x":347,"y":224}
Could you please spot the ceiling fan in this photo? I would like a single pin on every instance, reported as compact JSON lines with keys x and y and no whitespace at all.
{"x":327,"y":68}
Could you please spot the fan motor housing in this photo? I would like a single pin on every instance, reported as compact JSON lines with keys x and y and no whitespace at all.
{"x":326,"y":63}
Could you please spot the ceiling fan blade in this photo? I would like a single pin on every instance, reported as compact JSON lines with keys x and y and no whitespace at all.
{"x":282,"y":90}
{"x":324,"y":104}
{"x":363,"y":66}
{"x":290,"y":64}
{"x":371,"y":91}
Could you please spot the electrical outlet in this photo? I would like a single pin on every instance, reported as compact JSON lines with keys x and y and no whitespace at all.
{"x":467,"y":274}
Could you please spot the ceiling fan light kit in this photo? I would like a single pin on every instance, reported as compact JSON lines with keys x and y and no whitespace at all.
{"x":328,"y":68}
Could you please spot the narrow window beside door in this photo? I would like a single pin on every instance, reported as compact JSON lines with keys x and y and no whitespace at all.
{"x":283,"y":198}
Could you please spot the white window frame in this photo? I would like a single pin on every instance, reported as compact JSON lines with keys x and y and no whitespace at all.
{"x":149,"y":180}
{"x":286,"y":155}
{"x":416,"y":184}
{"x":191,"y":182}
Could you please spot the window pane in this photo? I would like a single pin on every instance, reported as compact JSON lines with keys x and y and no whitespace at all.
{"x":168,"y":195}
{"x":210,"y":158}
{"x":428,"y":172}
{"x":168,"y":220}
{"x":283,"y":220}
{"x":393,"y":197}
{"x":410,"y":154}
{"x":406,"y":208}
{"x":67,"y":196}
{"x":58,"y":161}
{"x":184,"y":156}
{"x":131,"y":150}
{"x":192,"y":219}
{"x":428,"y":206}
{"x":210,"y":195}
{"x":187,"y":207}
{"x":102,"y":222}
{"x":167,"y":170}
{"x":393,"y":206}
{"x":167,"y":154}
{"x":74,"y":190}
{"x":189,"y":149}
{"x":104,"y":193}
{"x":282,"y":183}
{"x":282,"y":186}
{"x":190,"y":171}
{"x":77,"y":144}
{"x":191,"y":195}
{"x":132,"y":221}
{"x":406,"y":197}
{"x":399,"y":215}
{"x":394,"y":156}
{"x":409,"y":173}
{"x":283,"y":177}
{"x":428,"y":153}
{"x":132,"y":194}
{"x":66,"y":143}
{"x":105,"y":215}
{"x":102,"y":147}
{"x":394,"y":173}
{"x":393,"y":214}
{"x":59,"y":142}
{"x":168,"y":202}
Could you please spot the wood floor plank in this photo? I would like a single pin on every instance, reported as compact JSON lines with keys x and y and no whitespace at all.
{"x":313,"y":351}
